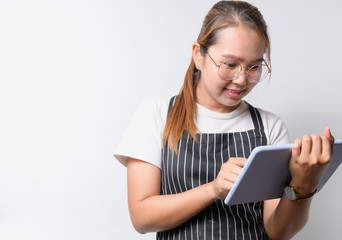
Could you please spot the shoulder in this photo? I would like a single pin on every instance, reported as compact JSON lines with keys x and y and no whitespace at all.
{"x":151,"y":111}
{"x":142,"y":138}
{"x":275,"y":128}
{"x":269,"y":116}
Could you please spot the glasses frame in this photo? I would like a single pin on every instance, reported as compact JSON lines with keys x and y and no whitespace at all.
{"x":247,"y":69}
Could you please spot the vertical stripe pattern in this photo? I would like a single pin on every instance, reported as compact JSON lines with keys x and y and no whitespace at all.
{"x":198,"y":163}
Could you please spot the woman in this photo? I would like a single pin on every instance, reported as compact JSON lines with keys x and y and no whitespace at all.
{"x":184,"y":155}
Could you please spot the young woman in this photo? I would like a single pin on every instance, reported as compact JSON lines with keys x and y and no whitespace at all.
{"x":183,"y":155}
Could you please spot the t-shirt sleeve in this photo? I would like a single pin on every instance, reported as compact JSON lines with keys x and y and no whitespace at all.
{"x":275,"y":129}
{"x":142,"y":138}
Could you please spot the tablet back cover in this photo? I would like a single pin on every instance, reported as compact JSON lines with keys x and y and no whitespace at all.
{"x":266,"y":173}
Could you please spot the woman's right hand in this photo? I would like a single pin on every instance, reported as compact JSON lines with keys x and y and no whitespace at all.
{"x":227,"y":176}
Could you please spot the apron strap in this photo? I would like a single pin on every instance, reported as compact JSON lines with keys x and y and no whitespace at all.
{"x":171,"y":103}
{"x":256,"y":117}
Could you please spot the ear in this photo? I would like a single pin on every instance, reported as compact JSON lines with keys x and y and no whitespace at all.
{"x":197,"y":56}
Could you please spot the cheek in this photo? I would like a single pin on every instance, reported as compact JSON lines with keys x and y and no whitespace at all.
{"x":211,"y":79}
{"x":251,"y":86}
{"x":215,"y":83}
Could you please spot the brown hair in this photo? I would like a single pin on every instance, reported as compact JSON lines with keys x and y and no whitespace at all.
{"x":223,"y":14}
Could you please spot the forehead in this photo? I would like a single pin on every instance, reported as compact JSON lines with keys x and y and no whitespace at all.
{"x":241,"y":41}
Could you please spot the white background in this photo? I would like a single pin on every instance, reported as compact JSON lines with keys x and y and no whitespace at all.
{"x":73,"y":72}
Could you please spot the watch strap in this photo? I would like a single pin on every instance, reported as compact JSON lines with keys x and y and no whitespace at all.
{"x":307,"y":196}
{"x":297,"y":195}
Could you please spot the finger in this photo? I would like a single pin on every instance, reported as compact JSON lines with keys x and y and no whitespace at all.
{"x":326,"y":149}
{"x":234,"y":170}
{"x":306,"y":145}
{"x":231,"y":178}
{"x":239,"y":161}
{"x":229,"y":185}
{"x":230,"y":168}
{"x":316,"y":144}
{"x":327,"y":133}
{"x":296,"y":147}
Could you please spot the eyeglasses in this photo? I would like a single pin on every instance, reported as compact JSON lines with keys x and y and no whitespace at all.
{"x":230,"y":70}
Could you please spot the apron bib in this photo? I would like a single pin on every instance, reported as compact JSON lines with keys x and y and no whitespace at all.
{"x":199,"y":163}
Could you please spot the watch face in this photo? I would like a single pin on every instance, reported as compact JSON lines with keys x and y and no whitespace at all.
{"x":290,"y":193}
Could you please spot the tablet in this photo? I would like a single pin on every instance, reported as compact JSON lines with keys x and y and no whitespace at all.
{"x":266,"y":173}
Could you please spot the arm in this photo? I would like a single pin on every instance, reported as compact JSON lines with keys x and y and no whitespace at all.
{"x":151,"y":211}
{"x":284,"y":218}
{"x":310,"y":158}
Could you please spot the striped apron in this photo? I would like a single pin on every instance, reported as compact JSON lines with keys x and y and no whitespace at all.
{"x":199,"y":163}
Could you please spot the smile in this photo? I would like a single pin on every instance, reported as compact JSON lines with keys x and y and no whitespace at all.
{"x":234,"y":93}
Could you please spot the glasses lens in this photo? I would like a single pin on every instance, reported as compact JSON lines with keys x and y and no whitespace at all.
{"x":258,"y":73}
{"x":228,"y":70}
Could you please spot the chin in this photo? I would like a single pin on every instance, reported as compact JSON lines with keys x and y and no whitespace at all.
{"x":231,"y":105}
{"x":233,"y":102}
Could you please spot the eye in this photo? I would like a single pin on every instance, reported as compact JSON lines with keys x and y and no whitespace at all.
{"x":255,"y":67}
{"x":230,"y":64}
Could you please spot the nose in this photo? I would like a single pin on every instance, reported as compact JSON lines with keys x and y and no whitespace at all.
{"x":240,"y":77}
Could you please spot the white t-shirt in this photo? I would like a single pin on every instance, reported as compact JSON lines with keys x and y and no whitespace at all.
{"x":143,"y":136}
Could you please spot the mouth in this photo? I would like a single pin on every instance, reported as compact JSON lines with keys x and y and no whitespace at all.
{"x":233,"y":93}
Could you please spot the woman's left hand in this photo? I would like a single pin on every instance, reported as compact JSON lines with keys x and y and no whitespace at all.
{"x":310,"y":158}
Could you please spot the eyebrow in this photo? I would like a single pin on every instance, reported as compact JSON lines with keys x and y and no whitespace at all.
{"x":240,"y":59}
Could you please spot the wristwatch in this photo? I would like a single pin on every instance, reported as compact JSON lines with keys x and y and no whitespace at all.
{"x":291,"y":194}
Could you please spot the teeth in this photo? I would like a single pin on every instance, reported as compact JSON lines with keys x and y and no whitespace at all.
{"x":233,"y":91}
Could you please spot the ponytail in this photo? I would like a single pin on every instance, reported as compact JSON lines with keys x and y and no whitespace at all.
{"x":183,"y":114}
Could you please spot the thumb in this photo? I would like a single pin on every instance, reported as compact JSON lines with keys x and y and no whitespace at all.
{"x":296,"y":147}
{"x":327,"y":132}
{"x":330,"y":137}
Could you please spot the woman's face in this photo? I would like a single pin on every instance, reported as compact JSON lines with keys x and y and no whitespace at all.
{"x":239,"y":44}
